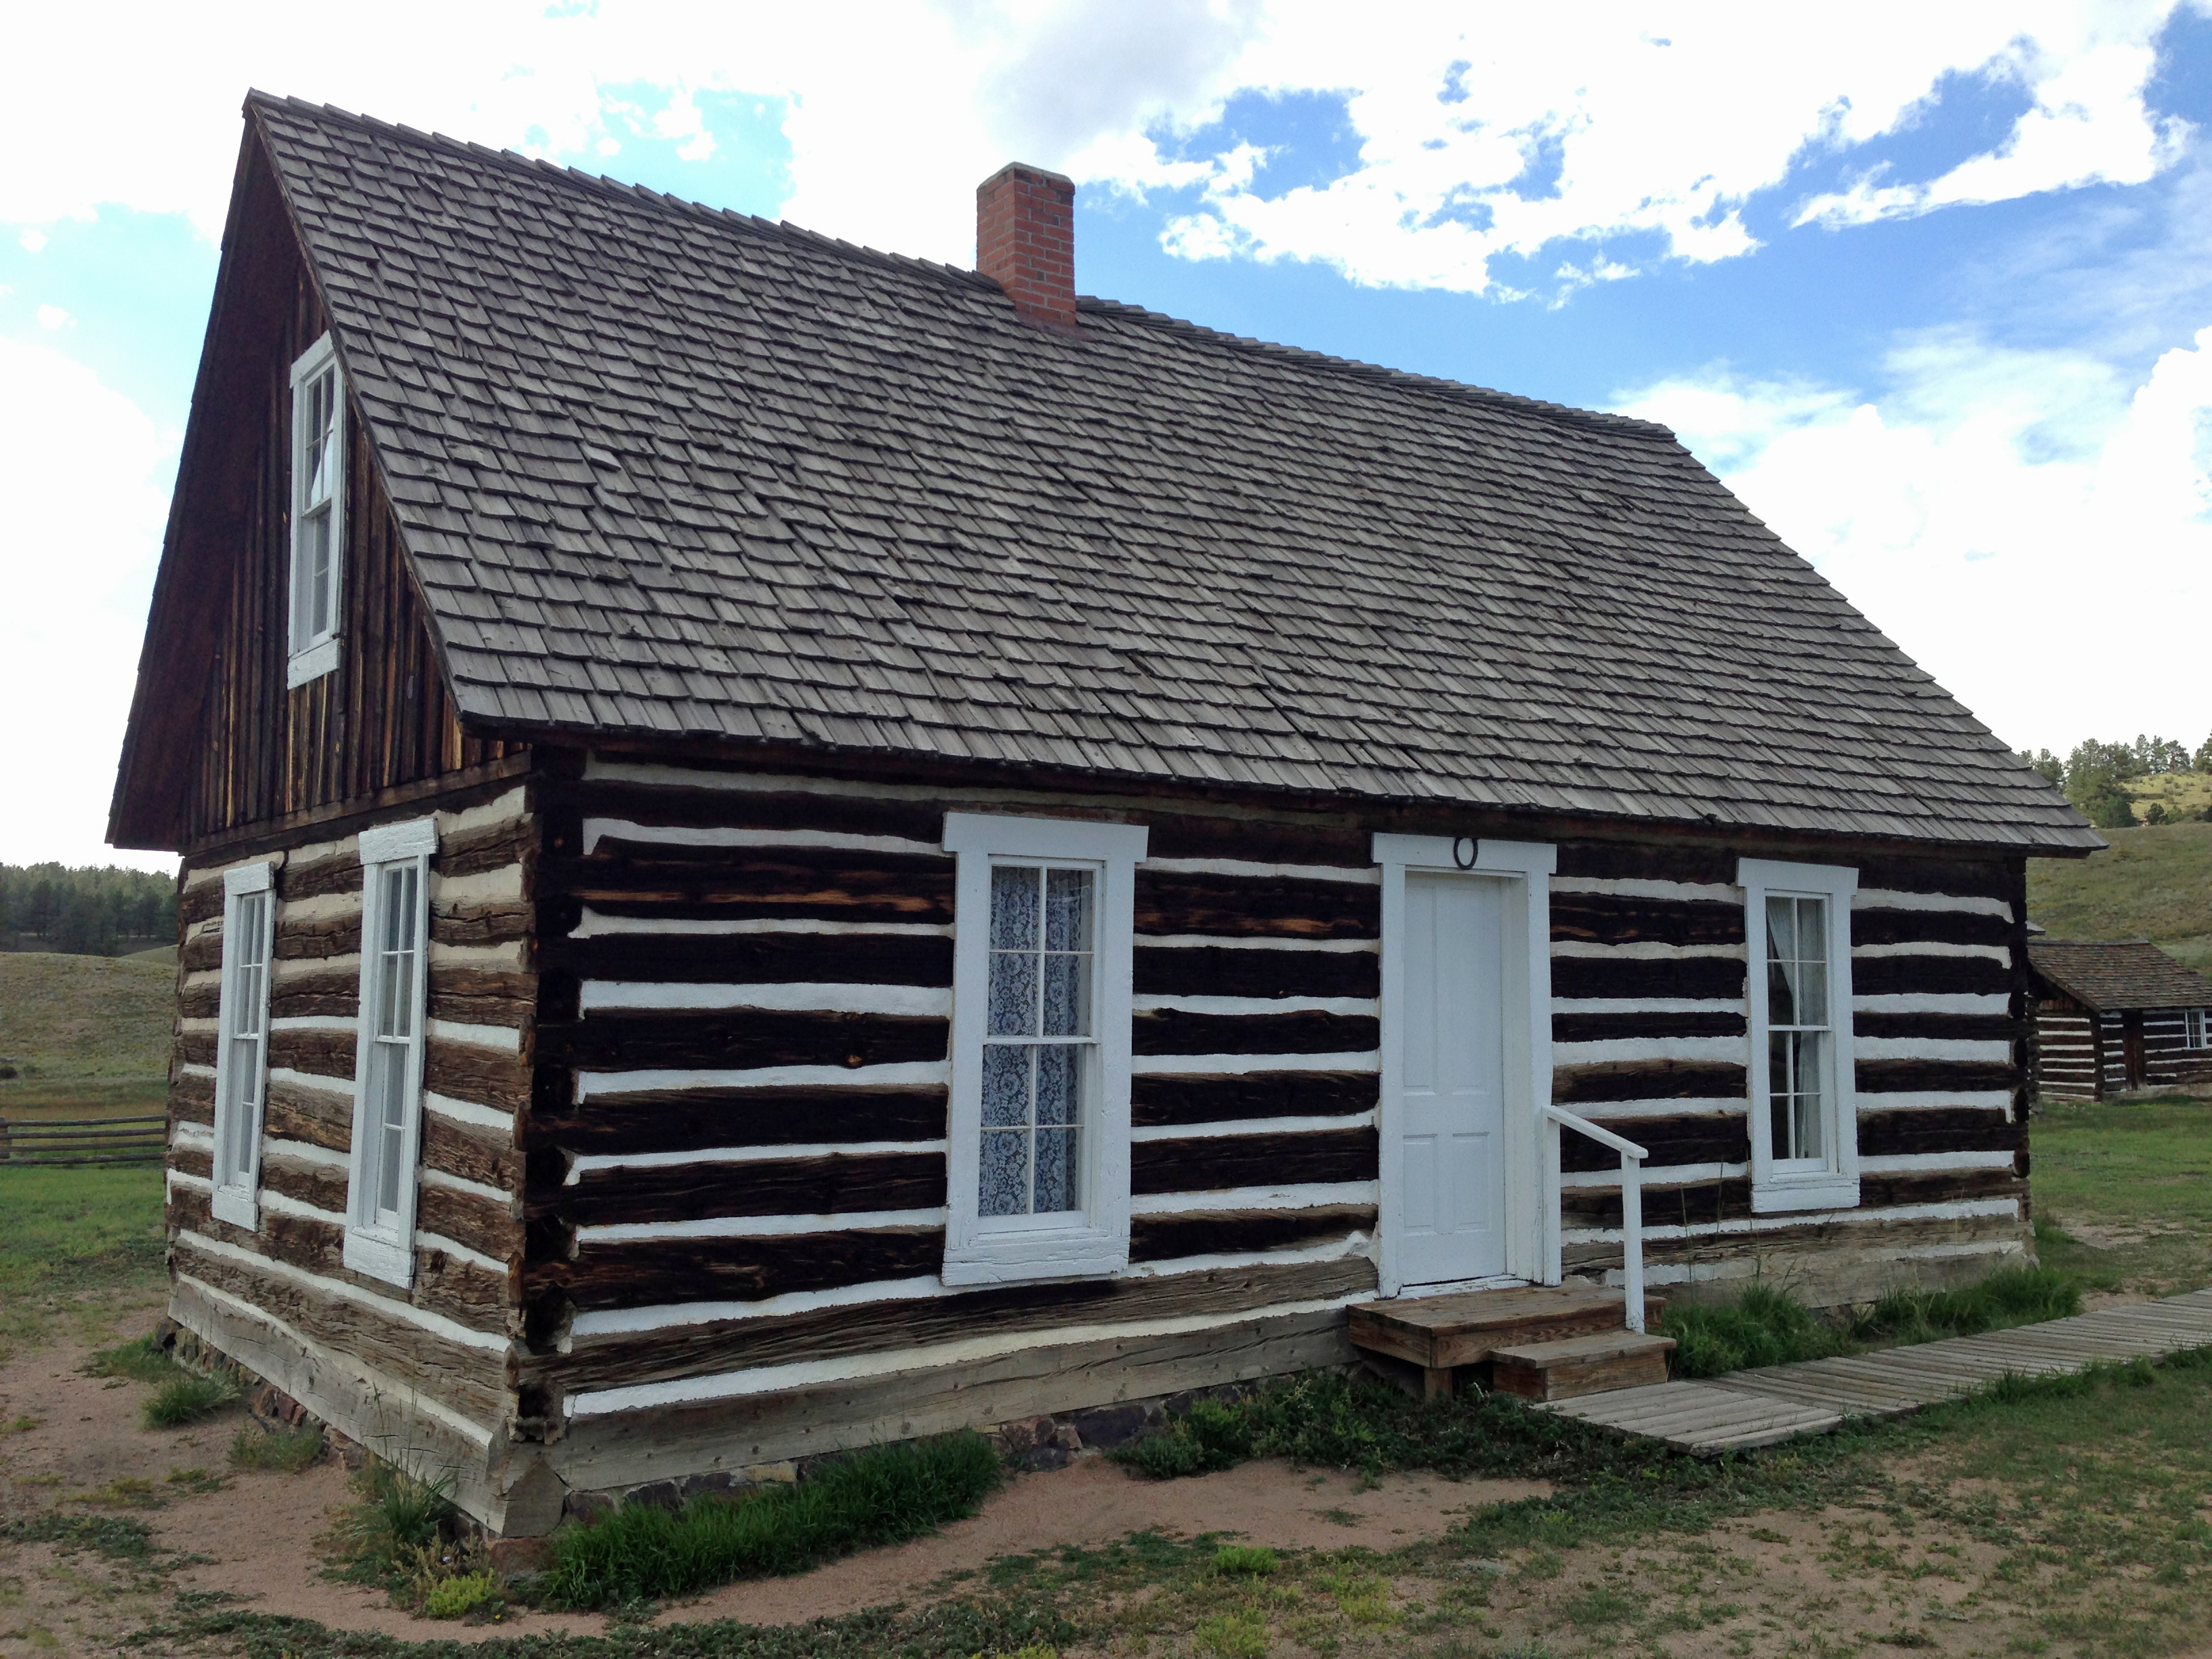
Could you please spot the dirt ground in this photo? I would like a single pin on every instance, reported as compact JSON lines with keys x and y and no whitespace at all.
{"x":80,"y":1448}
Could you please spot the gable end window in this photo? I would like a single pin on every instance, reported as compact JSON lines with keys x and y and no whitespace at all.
{"x":1038,"y":1176}
{"x":387,"y":1115}
{"x":318,"y":562}
{"x":241,"y":1055}
{"x":1804,"y":1114}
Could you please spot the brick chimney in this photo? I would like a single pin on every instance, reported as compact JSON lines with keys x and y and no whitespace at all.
{"x":1025,"y":240}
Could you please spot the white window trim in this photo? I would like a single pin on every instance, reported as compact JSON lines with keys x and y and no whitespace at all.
{"x":382,"y":1252}
{"x":238,"y":1202}
{"x":317,"y":655}
{"x":1837,"y":1188}
{"x":1532,"y":1241}
{"x":1094,"y":1241}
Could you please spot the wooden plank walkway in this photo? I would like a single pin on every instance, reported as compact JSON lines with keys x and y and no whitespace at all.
{"x":1744,"y":1409}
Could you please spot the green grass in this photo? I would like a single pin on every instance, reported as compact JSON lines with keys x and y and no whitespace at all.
{"x":83,"y":1018}
{"x":186,"y":1401}
{"x":1766,"y":1326}
{"x":2153,"y":883}
{"x":139,"y":1360}
{"x":881,"y":1496}
{"x":2123,"y":1193}
{"x":77,"y":1245}
{"x":288,"y":1451}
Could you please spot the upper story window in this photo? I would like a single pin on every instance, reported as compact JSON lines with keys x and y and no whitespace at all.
{"x":1038,"y":1176}
{"x":1804,"y":1116}
{"x":318,"y":562}
{"x":241,"y":1056}
{"x":395,"y":861}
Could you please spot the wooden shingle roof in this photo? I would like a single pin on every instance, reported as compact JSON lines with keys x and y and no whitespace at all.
{"x":2115,"y":977}
{"x":664,"y":472}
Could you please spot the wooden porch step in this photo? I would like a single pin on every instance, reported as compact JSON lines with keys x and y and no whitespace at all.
{"x":1440,"y":1333}
{"x":1581,"y":1365}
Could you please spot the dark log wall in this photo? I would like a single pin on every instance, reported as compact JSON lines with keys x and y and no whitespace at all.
{"x":2066,"y":1060}
{"x":450,"y":1334}
{"x":739,"y":1141}
{"x":739,"y":1135}
{"x":1650,"y":1020}
{"x":2082,"y":1056}
{"x":382,"y":719}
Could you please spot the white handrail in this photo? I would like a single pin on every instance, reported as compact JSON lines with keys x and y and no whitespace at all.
{"x":1632,"y":1205}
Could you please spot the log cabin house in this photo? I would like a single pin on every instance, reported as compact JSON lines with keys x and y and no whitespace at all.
{"x":2113,"y":1018}
{"x":784,"y":846}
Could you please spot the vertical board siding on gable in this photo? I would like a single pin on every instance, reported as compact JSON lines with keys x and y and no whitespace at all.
{"x":747,"y":984}
{"x":1650,"y":1035}
{"x":382,"y":718}
{"x":468,"y":1239}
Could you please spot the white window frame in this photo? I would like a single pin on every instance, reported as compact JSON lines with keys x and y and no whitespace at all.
{"x":1094,"y":1241}
{"x":314,"y":652}
{"x":1780,"y":1191}
{"x":235,"y":1197}
{"x":2197,"y":1027}
{"x":380,"y":1249}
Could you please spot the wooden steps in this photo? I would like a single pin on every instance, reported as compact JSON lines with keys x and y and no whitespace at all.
{"x":1440,"y":1333}
{"x":1581,"y":1365}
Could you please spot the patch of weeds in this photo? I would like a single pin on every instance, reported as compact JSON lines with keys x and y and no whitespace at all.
{"x":1003,"y":1628}
{"x":288,"y":1449}
{"x":1322,"y":1418}
{"x":194,"y":1481}
{"x":130,"y":1542}
{"x":128,"y":1492}
{"x":1765,"y":1325}
{"x":397,"y":1514}
{"x":1250,"y":1561}
{"x":882,"y":1496}
{"x":1601,"y":1605}
{"x":141,"y":1360}
{"x":19,"y":1425}
{"x":1232,"y":1635}
{"x":187,"y":1399}
{"x":1362,"y":1597}
{"x":2016,"y":1295}
{"x":462,"y":1594}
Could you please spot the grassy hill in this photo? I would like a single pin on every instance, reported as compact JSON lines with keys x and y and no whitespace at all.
{"x":82,"y":1031}
{"x":2153,"y":883}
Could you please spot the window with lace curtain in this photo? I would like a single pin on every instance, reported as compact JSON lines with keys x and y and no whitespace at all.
{"x":1804,"y":1116}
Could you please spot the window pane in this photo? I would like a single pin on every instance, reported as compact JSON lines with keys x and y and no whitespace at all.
{"x":1067,"y":995}
{"x":318,"y":440}
{"x":315,"y":531}
{"x":1057,"y":1181}
{"x":1811,"y":993}
{"x":1781,"y":930}
{"x":391,"y":1118}
{"x":1781,"y":995}
{"x":1014,"y":907}
{"x":1013,"y":993}
{"x":1006,"y":1083}
{"x":1060,"y":1084}
{"x":1812,"y":930}
{"x":1003,"y":1189}
{"x":1067,"y":909}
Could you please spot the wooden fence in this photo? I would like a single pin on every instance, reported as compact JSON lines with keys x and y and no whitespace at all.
{"x":56,"y":1141}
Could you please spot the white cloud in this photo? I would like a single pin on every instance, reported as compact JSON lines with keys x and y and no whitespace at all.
{"x":2088,"y":126}
{"x":2032,"y":529}
{"x":84,"y":478}
{"x":1662,"y":129}
{"x":1661,"y":136}
{"x":53,"y":318}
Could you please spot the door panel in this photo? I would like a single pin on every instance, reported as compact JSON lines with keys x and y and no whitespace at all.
{"x":1452,"y":1081}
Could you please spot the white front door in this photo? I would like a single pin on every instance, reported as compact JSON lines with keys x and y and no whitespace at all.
{"x":1451,"y":1100}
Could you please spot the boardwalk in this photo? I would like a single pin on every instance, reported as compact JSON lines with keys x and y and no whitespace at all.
{"x":1778,"y":1402}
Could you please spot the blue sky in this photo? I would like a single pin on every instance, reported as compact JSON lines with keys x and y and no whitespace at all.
{"x":1927,"y":288}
